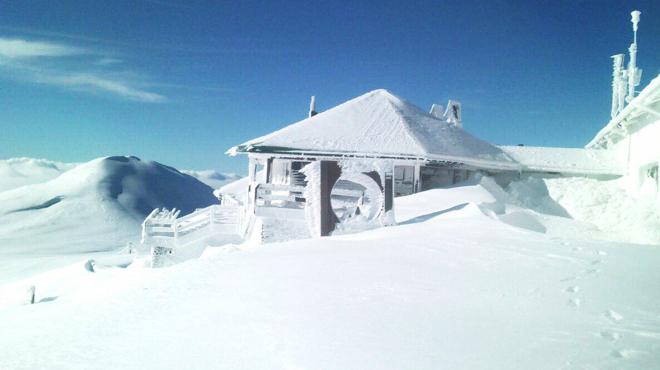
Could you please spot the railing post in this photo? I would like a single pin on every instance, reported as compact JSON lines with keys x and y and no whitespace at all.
{"x":212,"y":218}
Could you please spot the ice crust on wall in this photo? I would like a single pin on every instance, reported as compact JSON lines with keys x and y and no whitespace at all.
{"x":312,"y":172}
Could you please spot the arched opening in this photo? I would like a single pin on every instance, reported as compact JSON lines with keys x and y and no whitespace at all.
{"x":356,"y":198}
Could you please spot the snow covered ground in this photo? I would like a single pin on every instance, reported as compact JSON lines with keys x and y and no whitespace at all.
{"x":471,"y":278}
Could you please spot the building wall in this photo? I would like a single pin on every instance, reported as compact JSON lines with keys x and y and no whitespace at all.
{"x":641,"y":151}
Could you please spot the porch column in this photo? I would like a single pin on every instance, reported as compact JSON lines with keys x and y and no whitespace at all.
{"x":269,"y":170}
{"x":330,"y":173}
{"x":388,"y":190}
{"x":418,"y":178}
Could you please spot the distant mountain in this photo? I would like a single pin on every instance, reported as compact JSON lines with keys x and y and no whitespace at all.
{"x":213,"y":178}
{"x":94,"y":207}
{"x":17,"y":172}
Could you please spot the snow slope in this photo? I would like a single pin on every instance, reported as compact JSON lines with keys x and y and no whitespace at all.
{"x":95,"y":207}
{"x":17,"y":172}
{"x":453,"y":286}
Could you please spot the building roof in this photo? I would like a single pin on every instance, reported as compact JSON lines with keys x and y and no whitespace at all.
{"x":641,"y":111}
{"x":569,"y":161}
{"x":379,"y":124}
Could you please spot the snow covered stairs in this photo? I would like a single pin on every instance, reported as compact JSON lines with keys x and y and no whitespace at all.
{"x":171,"y":239}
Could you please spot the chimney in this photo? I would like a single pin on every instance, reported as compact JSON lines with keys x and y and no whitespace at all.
{"x":312,"y":106}
{"x":453,"y":113}
{"x":437,"y":111}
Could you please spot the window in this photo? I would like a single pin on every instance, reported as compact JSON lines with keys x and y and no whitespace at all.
{"x":404,"y":180}
{"x":649,"y":178}
{"x":280,"y":171}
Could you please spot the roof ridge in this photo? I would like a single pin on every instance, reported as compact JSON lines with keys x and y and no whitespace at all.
{"x":404,"y":120}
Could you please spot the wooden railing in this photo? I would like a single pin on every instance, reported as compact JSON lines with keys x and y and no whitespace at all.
{"x":282,"y":196}
{"x":166,"y":223}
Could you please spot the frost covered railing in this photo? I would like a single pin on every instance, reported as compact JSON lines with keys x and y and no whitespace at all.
{"x":166,"y":223}
{"x":282,"y":196}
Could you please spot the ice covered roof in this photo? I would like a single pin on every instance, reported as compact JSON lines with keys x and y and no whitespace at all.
{"x":379,"y":124}
{"x":566,"y":160}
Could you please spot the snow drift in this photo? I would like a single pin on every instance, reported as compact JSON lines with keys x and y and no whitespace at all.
{"x":95,"y":207}
{"x":605,"y":204}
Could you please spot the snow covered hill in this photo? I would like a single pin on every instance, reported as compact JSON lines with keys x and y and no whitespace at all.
{"x":94,"y":207}
{"x":465,"y":281}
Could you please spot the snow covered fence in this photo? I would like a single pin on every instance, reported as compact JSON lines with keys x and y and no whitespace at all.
{"x":165,"y":234}
{"x":284,"y":196}
{"x":166,"y":223}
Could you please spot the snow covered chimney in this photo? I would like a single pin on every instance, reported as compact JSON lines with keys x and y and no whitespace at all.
{"x":312,"y":106}
{"x":453,"y":113}
{"x":437,"y":111}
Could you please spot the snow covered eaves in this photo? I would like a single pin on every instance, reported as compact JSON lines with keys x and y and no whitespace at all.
{"x":569,"y":161}
{"x":379,"y":124}
{"x":642,"y":110}
{"x":508,"y":165}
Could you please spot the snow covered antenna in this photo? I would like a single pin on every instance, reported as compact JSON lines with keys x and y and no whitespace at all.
{"x":618,"y":84}
{"x":312,"y":106}
{"x":634,"y":73}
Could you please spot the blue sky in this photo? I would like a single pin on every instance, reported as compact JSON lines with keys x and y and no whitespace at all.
{"x":181,"y":81}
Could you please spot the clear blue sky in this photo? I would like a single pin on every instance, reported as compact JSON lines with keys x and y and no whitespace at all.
{"x":181,"y":81}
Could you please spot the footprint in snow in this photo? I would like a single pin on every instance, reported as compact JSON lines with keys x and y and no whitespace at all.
{"x":613,"y":315}
{"x":596,"y":262}
{"x":623,"y":353}
{"x":574,"y":302}
{"x":572,"y":289}
{"x":610,"y":336}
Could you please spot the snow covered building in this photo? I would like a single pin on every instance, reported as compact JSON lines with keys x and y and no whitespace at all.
{"x":369,"y":149}
{"x":341,"y":169}
{"x":633,"y":132}
{"x":632,"y":136}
